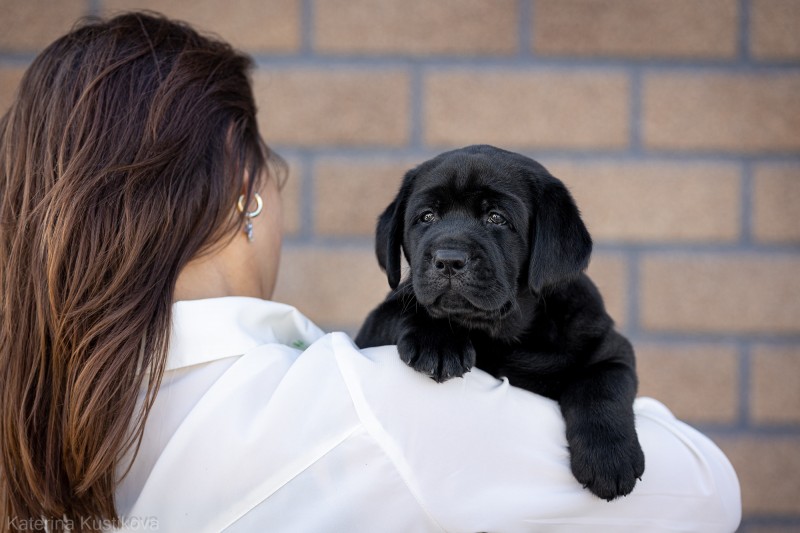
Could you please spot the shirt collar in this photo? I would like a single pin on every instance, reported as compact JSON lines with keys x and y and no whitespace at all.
{"x":215,"y":328}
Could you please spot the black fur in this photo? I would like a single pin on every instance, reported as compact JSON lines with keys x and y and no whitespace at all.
{"x":496,"y":249}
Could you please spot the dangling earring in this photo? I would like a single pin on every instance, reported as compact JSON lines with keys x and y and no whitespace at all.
{"x":248,"y":224}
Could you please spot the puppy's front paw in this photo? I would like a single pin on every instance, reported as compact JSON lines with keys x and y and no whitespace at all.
{"x":437,"y":355}
{"x":609,"y":467}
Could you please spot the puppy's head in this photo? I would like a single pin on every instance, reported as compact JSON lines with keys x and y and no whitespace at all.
{"x":477,"y":226}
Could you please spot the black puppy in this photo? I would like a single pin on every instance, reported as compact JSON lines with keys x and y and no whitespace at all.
{"x":497,"y":249}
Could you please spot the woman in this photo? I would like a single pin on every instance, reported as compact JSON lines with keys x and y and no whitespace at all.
{"x":148,"y":383}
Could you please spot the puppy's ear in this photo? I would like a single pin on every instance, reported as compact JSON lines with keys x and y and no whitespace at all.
{"x":389,"y":234}
{"x":560,"y":242}
{"x":388,"y":240}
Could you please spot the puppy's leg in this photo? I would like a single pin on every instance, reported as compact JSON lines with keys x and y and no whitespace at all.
{"x":598,"y":412}
{"x":428,"y":345}
{"x":433,"y":348}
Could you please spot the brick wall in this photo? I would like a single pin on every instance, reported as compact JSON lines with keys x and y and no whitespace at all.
{"x":676,"y":124}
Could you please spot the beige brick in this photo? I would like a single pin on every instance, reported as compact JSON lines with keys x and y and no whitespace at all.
{"x":342,"y":107}
{"x":253,"y":25}
{"x":774,"y":29}
{"x":609,"y":272}
{"x":720,"y":293}
{"x":580,"y":110}
{"x":656,"y":202}
{"x":350,"y":194}
{"x":698,"y":382}
{"x":417,"y":27}
{"x":776,"y":197}
{"x":338,"y":287}
{"x":9,"y":81}
{"x":291,"y":195}
{"x":769,"y":473}
{"x":334,"y":287}
{"x":775,"y":385}
{"x":760,"y":528}
{"x":644,"y":28}
{"x":31,"y":25}
{"x":722,"y":112}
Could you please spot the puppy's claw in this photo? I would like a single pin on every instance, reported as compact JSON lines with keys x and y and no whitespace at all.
{"x":443,"y":376}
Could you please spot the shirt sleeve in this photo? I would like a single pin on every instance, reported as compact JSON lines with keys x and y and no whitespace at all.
{"x":481,"y":455}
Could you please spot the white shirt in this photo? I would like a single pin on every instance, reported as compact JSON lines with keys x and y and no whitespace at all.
{"x":249,"y":433}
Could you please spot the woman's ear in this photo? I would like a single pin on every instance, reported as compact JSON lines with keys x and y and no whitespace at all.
{"x":560,"y":242}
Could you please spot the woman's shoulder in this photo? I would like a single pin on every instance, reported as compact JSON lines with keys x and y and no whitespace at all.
{"x":276,"y":417}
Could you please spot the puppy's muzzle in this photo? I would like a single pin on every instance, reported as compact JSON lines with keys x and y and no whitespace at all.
{"x":448,"y":262}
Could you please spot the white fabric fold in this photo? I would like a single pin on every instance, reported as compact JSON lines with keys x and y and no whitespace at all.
{"x":249,"y":433}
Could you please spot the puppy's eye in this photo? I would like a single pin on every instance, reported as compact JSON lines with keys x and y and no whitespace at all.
{"x":497,"y":219}
{"x":427,"y":217}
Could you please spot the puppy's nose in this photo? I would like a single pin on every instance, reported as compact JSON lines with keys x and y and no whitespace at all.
{"x":449,"y":261}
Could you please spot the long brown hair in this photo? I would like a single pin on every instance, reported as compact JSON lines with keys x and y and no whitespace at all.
{"x":121,"y":159}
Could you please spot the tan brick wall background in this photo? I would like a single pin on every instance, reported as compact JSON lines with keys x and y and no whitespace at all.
{"x":676,"y":124}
